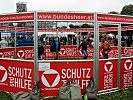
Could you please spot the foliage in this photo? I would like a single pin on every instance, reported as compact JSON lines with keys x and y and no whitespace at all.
{"x":127,"y":10}
{"x":64,"y":27}
{"x":85,"y":26}
{"x":74,"y":26}
{"x":71,"y":26}
{"x":113,"y":12}
{"x":5,"y":96}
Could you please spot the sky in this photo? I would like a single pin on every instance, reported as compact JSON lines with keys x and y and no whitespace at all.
{"x":104,"y":6}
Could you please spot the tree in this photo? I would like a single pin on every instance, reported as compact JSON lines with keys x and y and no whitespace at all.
{"x":85,"y":26}
{"x":127,"y":10}
{"x":63,"y":26}
{"x":74,"y":26}
{"x":71,"y":26}
{"x":113,"y":12}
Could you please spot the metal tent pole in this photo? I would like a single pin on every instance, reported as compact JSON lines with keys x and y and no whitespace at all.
{"x":35,"y":47}
{"x":96,"y":49}
{"x":15,"y":43}
{"x":119,"y":54}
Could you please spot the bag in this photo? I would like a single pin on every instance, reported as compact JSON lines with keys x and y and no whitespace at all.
{"x":21,"y":96}
{"x":35,"y":92}
{"x":75,"y":91}
{"x":64,"y":91}
{"x":91,"y":91}
{"x":70,"y":91}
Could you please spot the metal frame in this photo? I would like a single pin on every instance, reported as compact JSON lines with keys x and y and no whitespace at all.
{"x":15,"y":45}
{"x":96,"y":52}
{"x":36,"y":78}
{"x":96,"y":49}
{"x":119,"y":54}
{"x":96,"y":44}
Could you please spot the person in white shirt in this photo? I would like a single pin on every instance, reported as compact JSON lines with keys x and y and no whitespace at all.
{"x":3,"y":43}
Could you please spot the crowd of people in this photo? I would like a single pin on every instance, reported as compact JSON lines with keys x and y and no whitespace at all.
{"x":56,"y":42}
{"x":126,"y":41}
{"x":63,"y":40}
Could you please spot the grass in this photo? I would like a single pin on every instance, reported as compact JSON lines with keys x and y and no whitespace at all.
{"x":5,"y":96}
{"x":119,"y":95}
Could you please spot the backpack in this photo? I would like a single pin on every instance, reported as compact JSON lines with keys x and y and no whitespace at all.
{"x":64,"y":92}
{"x":21,"y":96}
{"x":91,"y":91}
{"x":75,"y":91}
{"x":70,"y":91}
{"x":35,"y":92}
{"x":106,"y":45}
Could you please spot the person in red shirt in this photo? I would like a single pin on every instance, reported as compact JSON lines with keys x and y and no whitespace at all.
{"x":105,"y":49}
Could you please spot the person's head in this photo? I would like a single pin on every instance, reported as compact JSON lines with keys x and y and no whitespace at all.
{"x":39,"y":42}
{"x":56,"y":38}
{"x":85,"y":39}
{"x":90,"y":39}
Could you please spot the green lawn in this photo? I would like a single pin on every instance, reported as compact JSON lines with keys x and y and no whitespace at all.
{"x":119,"y":95}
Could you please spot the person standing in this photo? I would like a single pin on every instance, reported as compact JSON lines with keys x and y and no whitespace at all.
{"x":84,"y":47}
{"x":105,"y":49}
{"x":115,"y":41}
{"x":40,"y":50}
{"x":128,"y":41}
{"x":3,"y":43}
{"x":55,"y":47}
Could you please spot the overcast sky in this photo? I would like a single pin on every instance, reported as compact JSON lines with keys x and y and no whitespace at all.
{"x":105,"y":6}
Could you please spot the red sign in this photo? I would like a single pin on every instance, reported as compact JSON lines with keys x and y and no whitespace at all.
{"x":25,"y":53}
{"x":54,"y":74}
{"x":16,"y":75}
{"x":127,"y":51}
{"x":17,"y":17}
{"x":7,"y":52}
{"x":68,"y":51}
{"x":106,"y":29}
{"x":126,"y":76}
{"x":65,"y":16}
{"x":114,"y":18}
{"x":107,"y":74}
